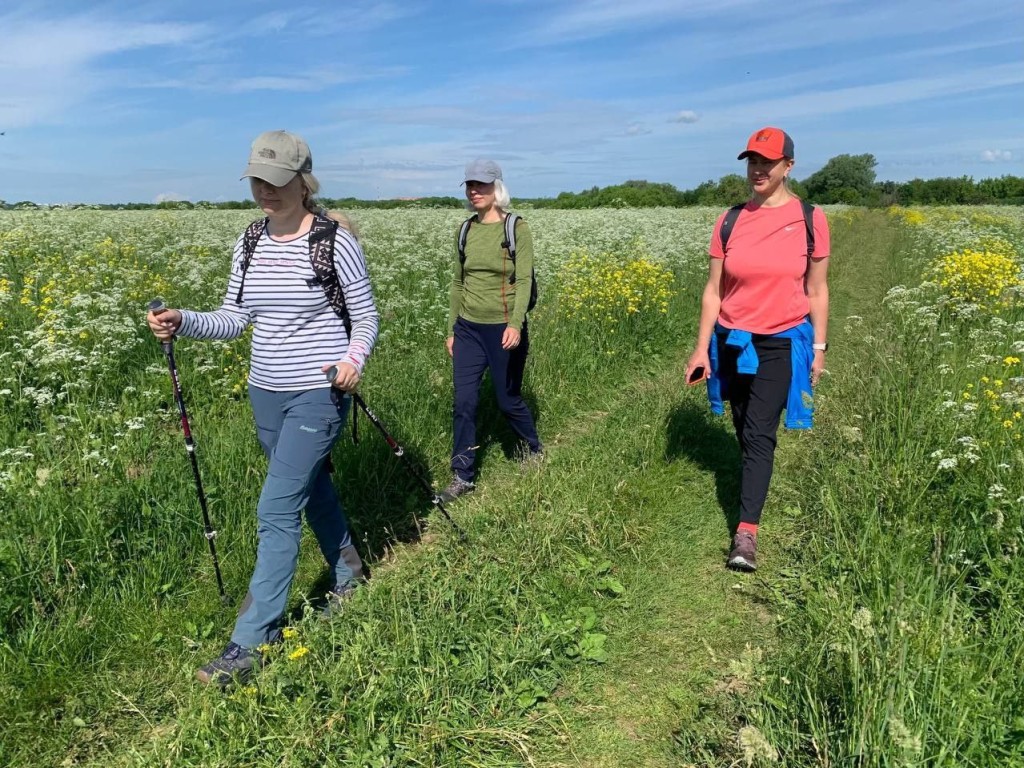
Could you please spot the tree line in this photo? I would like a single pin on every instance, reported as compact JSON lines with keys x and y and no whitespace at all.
{"x":843,"y":179}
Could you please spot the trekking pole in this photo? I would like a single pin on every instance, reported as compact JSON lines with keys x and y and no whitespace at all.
{"x":156,"y":305}
{"x":399,"y":451}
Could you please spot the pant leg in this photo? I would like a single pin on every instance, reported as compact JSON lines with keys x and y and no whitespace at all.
{"x":469,"y":361}
{"x":507,"y":367}
{"x":308,"y":423}
{"x":326,"y":518}
{"x":757,"y":403}
{"x":517,"y":363}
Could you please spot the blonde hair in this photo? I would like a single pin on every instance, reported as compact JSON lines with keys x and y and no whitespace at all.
{"x":502,"y":200}
{"x":311,"y":186}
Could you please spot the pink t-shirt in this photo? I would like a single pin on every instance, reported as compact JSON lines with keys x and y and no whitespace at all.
{"x":763,"y":274}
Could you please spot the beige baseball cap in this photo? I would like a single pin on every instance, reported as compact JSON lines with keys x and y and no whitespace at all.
{"x":277,"y":156}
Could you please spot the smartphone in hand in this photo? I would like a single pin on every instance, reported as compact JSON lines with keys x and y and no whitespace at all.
{"x":697,"y":375}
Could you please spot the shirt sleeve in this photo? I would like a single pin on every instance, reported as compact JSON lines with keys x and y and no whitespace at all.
{"x":228,"y":322}
{"x":350,"y":264}
{"x":524,"y":275}
{"x":455,"y":295}
{"x":715,"y":249}
{"x":822,"y":237}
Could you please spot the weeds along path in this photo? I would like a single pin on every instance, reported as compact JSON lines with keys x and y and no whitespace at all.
{"x":686,"y":642}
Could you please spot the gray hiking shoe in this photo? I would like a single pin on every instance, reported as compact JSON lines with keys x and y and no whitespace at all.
{"x":457,"y":487}
{"x":235,"y":664}
{"x":336,"y":598}
{"x":744,"y":552}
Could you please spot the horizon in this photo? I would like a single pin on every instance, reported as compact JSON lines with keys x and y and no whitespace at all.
{"x":11,"y":204}
{"x":146,"y":103}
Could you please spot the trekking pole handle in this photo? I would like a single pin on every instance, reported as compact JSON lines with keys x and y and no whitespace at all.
{"x":155,"y":306}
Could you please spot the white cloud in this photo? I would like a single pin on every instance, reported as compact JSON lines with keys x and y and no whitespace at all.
{"x":47,"y":67}
{"x":997,"y":155}
{"x":685,"y":116}
{"x":816,"y":103}
{"x":587,"y":19}
{"x":169,"y":197}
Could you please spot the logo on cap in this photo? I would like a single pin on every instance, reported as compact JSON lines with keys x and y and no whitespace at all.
{"x":764,"y":136}
{"x":267,"y":154}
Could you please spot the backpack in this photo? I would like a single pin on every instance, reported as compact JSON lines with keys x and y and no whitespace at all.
{"x":734,"y":213}
{"x":509,"y":243}
{"x":321,"y":258}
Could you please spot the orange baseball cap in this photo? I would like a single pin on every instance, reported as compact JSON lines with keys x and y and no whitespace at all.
{"x":773,"y":143}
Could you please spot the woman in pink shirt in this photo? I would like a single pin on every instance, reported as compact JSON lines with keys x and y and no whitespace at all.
{"x":761,"y":342}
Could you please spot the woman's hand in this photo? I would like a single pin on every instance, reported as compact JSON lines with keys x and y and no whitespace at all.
{"x":164,"y":323}
{"x":698,"y":359}
{"x":817,"y":366}
{"x":347,"y":378}
{"x":510,"y":338}
{"x":449,"y":344}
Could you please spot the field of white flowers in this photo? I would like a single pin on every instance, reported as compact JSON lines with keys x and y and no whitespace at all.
{"x":889,"y":640}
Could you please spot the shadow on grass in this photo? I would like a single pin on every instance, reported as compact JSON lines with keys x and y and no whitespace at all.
{"x":384,"y":502}
{"x":696,"y":434}
{"x":492,"y":428}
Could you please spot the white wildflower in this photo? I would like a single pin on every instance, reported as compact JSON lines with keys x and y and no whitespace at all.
{"x":755,"y":746}
{"x":862,"y":620}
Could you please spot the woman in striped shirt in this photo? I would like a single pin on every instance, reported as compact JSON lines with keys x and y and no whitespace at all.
{"x":297,"y":337}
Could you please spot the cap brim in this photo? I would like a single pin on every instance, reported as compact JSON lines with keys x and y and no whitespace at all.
{"x":481,"y":181}
{"x":748,"y":152}
{"x":269,"y":173}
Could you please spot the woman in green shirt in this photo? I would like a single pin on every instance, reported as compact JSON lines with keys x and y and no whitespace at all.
{"x":487,"y":321}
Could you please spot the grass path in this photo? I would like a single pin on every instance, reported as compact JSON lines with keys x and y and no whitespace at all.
{"x":679,"y":646}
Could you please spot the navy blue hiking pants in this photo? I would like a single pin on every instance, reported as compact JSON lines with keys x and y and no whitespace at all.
{"x":757,"y":403}
{"x":477,"y":348}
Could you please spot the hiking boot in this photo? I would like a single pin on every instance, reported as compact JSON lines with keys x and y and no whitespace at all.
{"x":457,"y":487}
{"x":335,"y":599}
{"x":234,"y":664}
{"x":744,"y":552}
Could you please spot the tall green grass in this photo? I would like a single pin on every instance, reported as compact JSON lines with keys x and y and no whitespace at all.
{"x":109,"y":603}
{"x":902,"y":645}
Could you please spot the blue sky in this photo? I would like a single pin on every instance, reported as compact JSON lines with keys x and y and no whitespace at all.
{"x":140,"y":101}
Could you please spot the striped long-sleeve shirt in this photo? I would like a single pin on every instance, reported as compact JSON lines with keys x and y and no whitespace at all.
{"x":295,"y":329}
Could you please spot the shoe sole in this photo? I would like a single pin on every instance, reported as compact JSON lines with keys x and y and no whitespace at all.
{"x":449,"y":499}
{"x":222,"y":679}
{"x":741,"y":564}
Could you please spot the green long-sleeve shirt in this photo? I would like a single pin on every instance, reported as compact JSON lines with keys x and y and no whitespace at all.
{"x":481,"y":291}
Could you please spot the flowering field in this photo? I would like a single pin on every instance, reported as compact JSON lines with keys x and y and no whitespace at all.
{"x":898,"y":597}
{"x":909,"y":593}
{"x":101,"y":553}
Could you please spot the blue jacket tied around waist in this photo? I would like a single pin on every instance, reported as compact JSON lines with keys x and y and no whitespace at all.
{"x":800,"y":402}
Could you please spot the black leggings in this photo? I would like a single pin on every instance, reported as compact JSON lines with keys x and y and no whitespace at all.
{"x":757,"y":403}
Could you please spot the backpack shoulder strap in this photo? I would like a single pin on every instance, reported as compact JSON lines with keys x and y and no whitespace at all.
{"x":809,"y":223}
{"x":461,"y":242}
{"x":729,"y":222}
{"x":321,"y":257}
{"x":250,"y":238}
{"x":511,"y":219}
{"x":463,"y":234}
